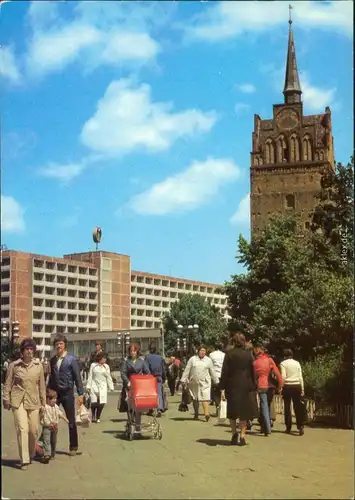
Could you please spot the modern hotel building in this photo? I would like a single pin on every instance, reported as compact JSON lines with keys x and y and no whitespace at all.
{"x":87,"y":293}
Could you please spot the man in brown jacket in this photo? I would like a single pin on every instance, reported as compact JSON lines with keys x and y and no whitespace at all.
{"x":25,"y":394}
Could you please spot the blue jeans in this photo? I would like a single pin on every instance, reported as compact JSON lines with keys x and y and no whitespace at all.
{"x":264,"y":410}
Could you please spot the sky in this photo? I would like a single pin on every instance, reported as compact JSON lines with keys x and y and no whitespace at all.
{"x":137,"y":118}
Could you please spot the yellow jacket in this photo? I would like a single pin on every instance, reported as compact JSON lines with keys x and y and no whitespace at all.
{"x":25,"y":384}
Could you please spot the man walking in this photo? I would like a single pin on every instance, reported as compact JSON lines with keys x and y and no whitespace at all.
{"x":65,"y":373}
{"x":217,"y":357}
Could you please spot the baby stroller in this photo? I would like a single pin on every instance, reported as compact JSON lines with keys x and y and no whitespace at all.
{"x":143,"y":397}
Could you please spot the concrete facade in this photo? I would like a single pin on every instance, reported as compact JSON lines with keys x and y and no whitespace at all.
{"x":86,"y":293}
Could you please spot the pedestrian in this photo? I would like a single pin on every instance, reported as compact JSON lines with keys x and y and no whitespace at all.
{"x":238,"y":386}
{"x":199,"y":375}
{"x":65,"y":374}
{"x":50,"y":416}
{"x":134,"y":364}
{"x":156,"y":365}
{"x":293,"y":390}
{"x":172,"y":375}
{"x":5,"y":367}
{"x":98,"y":384}
{"x":264,"y":367}
{"x":25,"y":394}
{"x":98,"y":349}
{"x":46,"y":369}
{"x":86,"y":368}
{"x":217,"y":357}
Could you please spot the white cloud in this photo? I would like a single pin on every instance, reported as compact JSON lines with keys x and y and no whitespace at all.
{"x":242,"y":214}
{"x":241,"y":107}
{"x":8,"y":66}
{"x":187,"y":190}
{"x":227,"y":19}
{"x":12,"y":213}
{"x":90,"y":41}
{"x":64,"y":172}
{"x":246,"y":88}
{"x":126,"y":118}
{"x":316,"y":98}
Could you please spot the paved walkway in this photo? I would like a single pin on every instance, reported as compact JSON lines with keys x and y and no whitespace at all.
{"x":193,"y":460}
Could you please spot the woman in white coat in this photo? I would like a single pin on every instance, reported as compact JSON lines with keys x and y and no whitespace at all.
{"x":99,"y":382}
{"x":198,"y":375}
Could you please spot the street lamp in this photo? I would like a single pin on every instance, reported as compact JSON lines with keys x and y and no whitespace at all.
{"x":186,"y":332}
{"x":10,"y":331}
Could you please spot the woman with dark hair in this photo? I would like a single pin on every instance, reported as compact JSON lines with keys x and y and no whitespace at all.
{"x":98,"y":384}
{"x":25,"y":393}
{"x":198,"y":374}
{"x":238,"y":386}
{"x":132,"y":365}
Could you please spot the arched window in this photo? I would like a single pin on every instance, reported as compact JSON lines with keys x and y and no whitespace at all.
{"x":269,"y":152}
{"x":295,"y":148}
{"x":256,"y":161}
{"x":282,"y":150}
{"x":307,"y":148}
{"x":316,"y":156}
{"x":290,"y":202}
{"x":321,"y":155}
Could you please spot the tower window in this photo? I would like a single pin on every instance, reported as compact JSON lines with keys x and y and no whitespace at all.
{"x":269,"y":152}
{"x":282,"y":150}
{"x":307,"y":148}
{"x":295,"y":148}
{"x":307,"y":225}
{"x":290,"y":201}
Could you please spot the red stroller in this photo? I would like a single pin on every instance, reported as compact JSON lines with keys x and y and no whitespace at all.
{"x":142,"y":397}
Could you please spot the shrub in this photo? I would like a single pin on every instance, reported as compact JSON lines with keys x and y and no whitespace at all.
{"x":321,"y":376}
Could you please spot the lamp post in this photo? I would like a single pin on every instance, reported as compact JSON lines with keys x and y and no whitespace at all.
{"x":10,"y":331}
{"x":185,"y":332}
{"x":123,"y":341}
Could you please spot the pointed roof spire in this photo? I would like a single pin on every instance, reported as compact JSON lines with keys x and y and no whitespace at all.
{"x":292,"y":88}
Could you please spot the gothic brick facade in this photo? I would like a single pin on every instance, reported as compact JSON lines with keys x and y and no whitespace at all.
{"x":289,"y":154}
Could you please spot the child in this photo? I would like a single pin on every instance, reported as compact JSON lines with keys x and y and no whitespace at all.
{"x":49,"y":420}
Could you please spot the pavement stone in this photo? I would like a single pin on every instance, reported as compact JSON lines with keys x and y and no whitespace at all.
{"x":193,"y":460}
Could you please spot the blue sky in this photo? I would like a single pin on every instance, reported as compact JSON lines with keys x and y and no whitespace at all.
{"x":138,"y":118}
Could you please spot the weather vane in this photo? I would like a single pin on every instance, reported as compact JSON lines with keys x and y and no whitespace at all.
{"x":290,"y":13}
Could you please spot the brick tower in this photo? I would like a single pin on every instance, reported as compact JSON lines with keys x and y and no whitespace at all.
{"x":289,"y":154}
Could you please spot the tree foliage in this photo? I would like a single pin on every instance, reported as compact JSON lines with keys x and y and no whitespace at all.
{"x":298,"y":289}
{"x":189,"y":310}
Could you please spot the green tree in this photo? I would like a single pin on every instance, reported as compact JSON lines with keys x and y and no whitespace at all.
{"x":189,"y":310}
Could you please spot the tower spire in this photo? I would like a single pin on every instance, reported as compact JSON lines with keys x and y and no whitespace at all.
{"x":292,"y":88}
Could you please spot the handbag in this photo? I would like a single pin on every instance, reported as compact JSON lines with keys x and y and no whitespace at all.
{"x":87,"y":401}
{"x":222,"y":411}
{"x":122,"y":402}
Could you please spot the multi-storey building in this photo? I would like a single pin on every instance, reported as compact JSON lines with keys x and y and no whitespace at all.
{"x":153,"y":294}
{"x":290,"y":152}
{"x":87,"y":292}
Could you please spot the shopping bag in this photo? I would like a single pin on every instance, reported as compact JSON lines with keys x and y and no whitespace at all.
{"x":222,"y":411}
{"x":83,"y":417}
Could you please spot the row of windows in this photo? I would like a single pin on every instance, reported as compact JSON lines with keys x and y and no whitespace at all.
{"x":158,"y":303}
{"x":289,"y":151}
{"x":71,"y":318}
{"x":61,"y":304}
{"x":161,"y":293}
{"x":145,"y":324}
{"x":63,"y":292}
{"x":59,"y":266}
{"x":148,"y":313}
{"x":172,"y":284}
{"x":60,"y":329}
{"x":64,"y":280}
